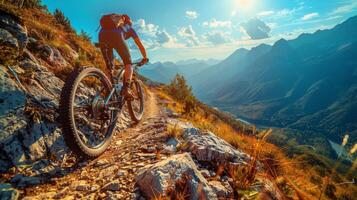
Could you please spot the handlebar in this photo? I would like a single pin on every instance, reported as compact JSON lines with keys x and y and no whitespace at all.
{"x":135,"y":64}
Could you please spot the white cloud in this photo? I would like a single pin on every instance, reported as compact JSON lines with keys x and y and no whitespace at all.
{"x":345,"y":9}
{"x":217,"y":37}
{"x":144,"y":28}
{"x":265,"y":13}
{"x":310,"y":16}
{"x":216,"y":24}
{"x":163,"y":37}
{"x":288,"y":12}
{"x":191,"y":14}
{"x":189,"y":35}
{"x":256,"y":29}
{"x":154,"y":36}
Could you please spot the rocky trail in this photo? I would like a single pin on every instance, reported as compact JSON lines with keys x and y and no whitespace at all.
{"x":144,"y":161}
{"x":113,"y":173}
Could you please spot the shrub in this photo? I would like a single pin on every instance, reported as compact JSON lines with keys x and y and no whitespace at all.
{"x":26,"y":3}
{"x":85,"y":36}
{"x":181,"y":92}
{"x":62,"y":20}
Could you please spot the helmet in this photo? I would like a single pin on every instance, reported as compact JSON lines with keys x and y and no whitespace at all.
{"x":127,"y":19}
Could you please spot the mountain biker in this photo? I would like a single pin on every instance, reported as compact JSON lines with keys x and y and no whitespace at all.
{"x":115,"y":29}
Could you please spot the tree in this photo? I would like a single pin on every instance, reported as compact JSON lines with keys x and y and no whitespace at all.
{"x":85,"y":35}
{"x":180,"y":91}
{"x":62,"y":20}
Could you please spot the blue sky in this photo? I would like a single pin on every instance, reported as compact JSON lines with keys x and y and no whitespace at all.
{"x":184,"y":29}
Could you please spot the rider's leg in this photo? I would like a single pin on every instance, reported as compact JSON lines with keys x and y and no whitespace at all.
{"x":107,"y":50}
{"x":123,"y":51}
{"x":108,"y":58}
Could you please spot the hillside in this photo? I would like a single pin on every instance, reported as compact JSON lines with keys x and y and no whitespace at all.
{"x":308,"y":83}
{"x":182,"y":148}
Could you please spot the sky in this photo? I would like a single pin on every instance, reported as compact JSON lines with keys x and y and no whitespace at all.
{"x":203,"y":29}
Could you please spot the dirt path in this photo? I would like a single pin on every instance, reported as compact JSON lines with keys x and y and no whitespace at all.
{"x":112,"y":175}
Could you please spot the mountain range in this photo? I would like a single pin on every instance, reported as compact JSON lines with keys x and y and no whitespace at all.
{"x":308,"y":83}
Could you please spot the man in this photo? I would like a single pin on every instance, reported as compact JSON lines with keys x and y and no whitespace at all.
{"x":115,"y":29}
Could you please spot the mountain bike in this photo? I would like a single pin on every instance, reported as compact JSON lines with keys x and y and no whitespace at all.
{"x":90,"y":106}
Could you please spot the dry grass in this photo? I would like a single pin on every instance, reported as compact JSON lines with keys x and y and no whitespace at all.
{"x":174,"y":131}
{"x":274,"y":162}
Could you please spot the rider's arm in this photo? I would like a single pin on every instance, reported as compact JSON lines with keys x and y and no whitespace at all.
{"x":140,"y":46}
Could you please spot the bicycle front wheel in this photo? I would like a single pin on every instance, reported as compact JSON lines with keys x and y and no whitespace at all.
{"x":87,"y":124}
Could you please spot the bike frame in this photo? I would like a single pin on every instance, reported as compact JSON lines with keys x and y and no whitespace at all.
{"x":120,"y":74}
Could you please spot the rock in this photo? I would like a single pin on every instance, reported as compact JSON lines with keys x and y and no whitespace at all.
{"x":155,"y":180}
{"x":14,"y":26}
{"x":22,"y":181}
{"x":108,"y":172}
{"x":101,"y":162}
{"x":8,"y":192}
{"x":11,"y":96}
{"x":223,"y":191}
{"x":168,"y":150}
{"x":112,"y":186}
{"x":122,"y":173}
{"x":205,"y":173}
{"x":61,"y":194}
{"x":173,"y":142}
{"x":53,"y":56}
{"x":206,"y":146}
{"x":149,"y":149}
{"x":179,"y":123}
{"x":6,"y":39}
{"x":171,"y":113}
{"x":81,"y":186}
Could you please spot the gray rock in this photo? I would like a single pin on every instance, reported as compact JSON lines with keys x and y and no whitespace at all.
{"x":221,"y":190}
{"x":171,"y":113}
{"x":168,"y":149}
{"x":205,"y":173}
{"x":6,"y":39}
{"x":155,"y":180}
{"x":11,"y":96}
{"x":7,"y":192}
{"x":173,"y":142}
{"x":179,"y":123}
{"x":22,"y":181}
{"x":112,"y":186}
{"x":81,"y":186}
{"x":108,"y":172}
{"x":122,"y":173}
{"x":206,"y":146}
{"x":13,"y":25}
{"x":53,"y":56}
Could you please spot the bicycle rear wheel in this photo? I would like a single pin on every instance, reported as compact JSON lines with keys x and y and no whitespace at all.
{"x":136,"y":106}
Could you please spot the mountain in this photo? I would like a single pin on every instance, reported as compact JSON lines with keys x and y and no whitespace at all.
{"x":309,"y":83}
{"x":164,"y":72}
{"x":210,"y":61}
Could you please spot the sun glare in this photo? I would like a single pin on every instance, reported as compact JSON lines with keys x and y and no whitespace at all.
{"x":244,"y":5}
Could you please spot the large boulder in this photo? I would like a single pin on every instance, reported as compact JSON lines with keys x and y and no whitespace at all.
{"x":206,"y":146}
{"x":53,"y":56}
{"x":11,"y":96}
{"x":15,"y":27}
{"x":157,"y":179}
{"x":7,"y":192}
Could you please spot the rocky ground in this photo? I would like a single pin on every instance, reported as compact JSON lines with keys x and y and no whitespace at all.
{"x":144,"y":160}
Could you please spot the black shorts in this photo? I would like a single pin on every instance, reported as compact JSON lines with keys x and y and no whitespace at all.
{"x":110,"y":40}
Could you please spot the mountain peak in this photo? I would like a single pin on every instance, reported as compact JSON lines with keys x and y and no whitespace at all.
{"x":281,"y":45}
